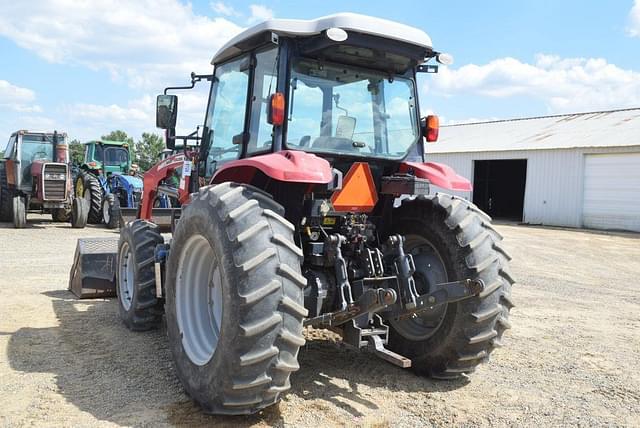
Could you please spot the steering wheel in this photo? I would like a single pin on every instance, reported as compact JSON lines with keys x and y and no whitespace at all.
{"x":305,"y":141}
{"x":36,"y":155}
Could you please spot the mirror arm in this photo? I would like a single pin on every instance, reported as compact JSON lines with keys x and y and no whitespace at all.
{"x":194,"y":79}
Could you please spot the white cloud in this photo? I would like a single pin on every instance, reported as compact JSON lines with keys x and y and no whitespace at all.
{"x":15,"y":94}
{"x":564,"y":85}
{"x":634,"y":20}
{"x":148,"y":43}
{"x":223,"y":9}
{"x":17,"y":98}
{"x":86,"y":121}
{"x":259,"y":13}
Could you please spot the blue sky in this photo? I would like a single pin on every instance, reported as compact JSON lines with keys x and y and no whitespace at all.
{"x":88,"y":67}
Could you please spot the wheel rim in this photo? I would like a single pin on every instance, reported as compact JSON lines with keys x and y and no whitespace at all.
{"x":79,"y":188}
{"x":126,"y":280}
{"x":105,"y":212}
{"x":199,"y":300}
{"x":430,"y":270}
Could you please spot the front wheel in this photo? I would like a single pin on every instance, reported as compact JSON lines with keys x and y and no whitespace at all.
{"x":111,"y":211}
{"x":19,"y":212}
{"x":450,"y":239}
{"x":88,"y":187}
{"x":6,"y":196}
{"x":139,"y":307}
{"x":234,"y":299}
{"x":79,"y":213}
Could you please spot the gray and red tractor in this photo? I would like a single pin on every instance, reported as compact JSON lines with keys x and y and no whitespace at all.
{"x":306,"y":201}
{"x":35,"y":176}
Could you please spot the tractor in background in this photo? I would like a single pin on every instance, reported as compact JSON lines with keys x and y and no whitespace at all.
{"x":307,"y":201}
{"x":35,"y":176}
{"x":104,"y":181}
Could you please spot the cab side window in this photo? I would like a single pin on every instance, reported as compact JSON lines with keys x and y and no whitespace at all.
{"x":8,"y":151}
{"x":264,"y":85}
{"x":225,"y":119}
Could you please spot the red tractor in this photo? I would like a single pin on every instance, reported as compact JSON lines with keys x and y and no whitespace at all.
{"x":306,"y":202}
{"x":35,"y":176}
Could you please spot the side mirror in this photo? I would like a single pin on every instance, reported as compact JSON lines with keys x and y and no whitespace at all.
{"x":166,"y":111}
{"x":346,"y":127}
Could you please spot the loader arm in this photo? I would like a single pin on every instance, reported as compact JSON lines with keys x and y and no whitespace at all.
{"x":153,"y":178}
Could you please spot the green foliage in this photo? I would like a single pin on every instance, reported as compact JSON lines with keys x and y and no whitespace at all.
{"x":118,"y":135}
{"x":148,"y":149}
{"x":76,"y":152}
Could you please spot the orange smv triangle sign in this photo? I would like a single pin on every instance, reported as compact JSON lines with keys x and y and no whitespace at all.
{"x":358,"y":193}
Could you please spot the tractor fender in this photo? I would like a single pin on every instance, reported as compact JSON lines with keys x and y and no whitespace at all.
{"x":287,"y":165}
{"x":438,"y":174}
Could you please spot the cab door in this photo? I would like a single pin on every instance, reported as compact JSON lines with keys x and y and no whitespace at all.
{"x":225,"y":122}
{"x":236,"y":125}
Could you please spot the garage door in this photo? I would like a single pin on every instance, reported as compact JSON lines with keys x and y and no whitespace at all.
{"x":612,"y":191}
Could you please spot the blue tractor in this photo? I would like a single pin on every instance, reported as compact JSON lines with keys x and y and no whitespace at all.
{"x":105,"y":182}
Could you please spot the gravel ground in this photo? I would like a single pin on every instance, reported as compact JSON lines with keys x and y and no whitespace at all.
{"x":572,"y":357}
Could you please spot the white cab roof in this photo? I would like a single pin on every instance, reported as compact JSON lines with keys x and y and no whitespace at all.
{"x":346,"y":21}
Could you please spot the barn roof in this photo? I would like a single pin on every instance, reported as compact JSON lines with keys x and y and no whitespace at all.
{"x":613,"y":128}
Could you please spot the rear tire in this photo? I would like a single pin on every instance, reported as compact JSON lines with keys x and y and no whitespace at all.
{"x":139,"y":307}
{"x":88,"y":187}
{"x":234,"y":251}
{"x":6,"y":197}
{"x":79,"y":213}
{"x":469,"y":247}
{"x":19,"y":212}
{"x":111,"y":211}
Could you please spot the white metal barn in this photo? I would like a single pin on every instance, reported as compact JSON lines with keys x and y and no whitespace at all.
{"x":576,"y":170}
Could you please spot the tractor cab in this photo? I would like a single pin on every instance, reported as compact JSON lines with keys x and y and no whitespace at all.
{"x":26,"y":148}
{"x":341,"y":87}
{"x":107,"y":156}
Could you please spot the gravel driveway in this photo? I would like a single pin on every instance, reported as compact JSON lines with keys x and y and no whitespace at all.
{"x":572,"y":357}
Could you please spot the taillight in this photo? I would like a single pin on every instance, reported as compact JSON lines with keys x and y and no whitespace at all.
{"x":276,"y":110}
{"x":432,"y":128}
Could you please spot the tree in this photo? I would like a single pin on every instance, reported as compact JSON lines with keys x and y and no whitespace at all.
{"x":118,"y":135}
{"x":148,"y":149}
{"x":76,"y":151}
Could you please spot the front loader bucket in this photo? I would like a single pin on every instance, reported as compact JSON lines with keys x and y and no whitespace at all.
{"x":93,"y":273}
{"x":163,"y":217}
{"x":128,"y":214}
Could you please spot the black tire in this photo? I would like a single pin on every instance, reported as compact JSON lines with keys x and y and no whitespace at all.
{"x":260,"y":330}
{"x":79,"y":213}
{"x":111,"y":205}
{"x":469,"y":247}
{"x":19,"y":212}
{"x":139,"y":307}
{"x":91,"y":184}
{"x":60,"y":215}
{"x":6,"y":197}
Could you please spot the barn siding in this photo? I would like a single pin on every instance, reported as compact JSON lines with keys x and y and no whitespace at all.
{"x":555,"y":180}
